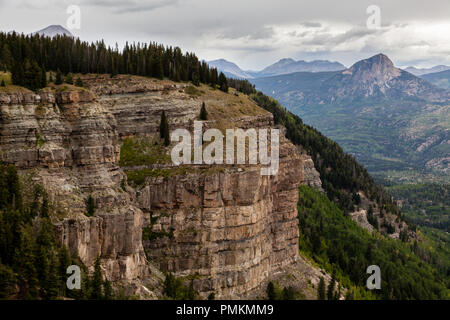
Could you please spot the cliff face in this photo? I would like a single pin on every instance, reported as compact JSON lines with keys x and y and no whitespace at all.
{"x":311,"y":177}
{"x":227,"y":227}
{"x":231,"y":228}
{"x":68,"y":142}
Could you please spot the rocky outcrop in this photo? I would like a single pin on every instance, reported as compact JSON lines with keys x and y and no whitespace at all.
{"x":311,"y":177}
{"x":67,"y":142}
{"x":227,"y":227}
{"x":230,"y":228}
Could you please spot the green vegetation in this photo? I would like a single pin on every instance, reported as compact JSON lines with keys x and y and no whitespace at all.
{"x":149,"y":234}
{"x":342,"y":176}
{"x":400,"y":133}
{"x":275,"y":293}
{"x":59,"y":77}
{"x":28,"y":74}
{"x":193,"y":91}
{"x":142,"y":151}
{"x":138,"y":177}
{"x":90,"y":206}
{"x":321,"y":290}
{"x":32,"y":264}
{"x":425,"y":204}
{"x":27,"y":56}
{"x":223,"y":83}
{"x":340,"y":246}
{"x":79,"y":82}
{"x":174,"y":288}
{"x":164,"y":129}
{"x":69,"y":78}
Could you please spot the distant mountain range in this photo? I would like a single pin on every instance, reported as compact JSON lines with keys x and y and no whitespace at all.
{"x":284,"y":66}
{"x":230,"y":69}
{"x":389,"y":118}
{"x":420,"y":72}
{"x":440,"y":79}
{"x":54,"y":30}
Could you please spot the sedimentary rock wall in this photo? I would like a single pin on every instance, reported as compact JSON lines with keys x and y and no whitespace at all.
{"x":227,"y":227}
{"x":67,"y":142}
{"x":231,"y":227}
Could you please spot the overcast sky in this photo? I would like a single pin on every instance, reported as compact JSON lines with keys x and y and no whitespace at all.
{"x":255,"y":33}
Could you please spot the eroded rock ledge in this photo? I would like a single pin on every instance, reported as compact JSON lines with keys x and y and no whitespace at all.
{"x":231,"y":228}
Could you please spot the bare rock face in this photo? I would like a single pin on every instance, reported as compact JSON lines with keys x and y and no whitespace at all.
{"x":68,"y":142}
{"x":227,"y":227}
{"x":311,"y":177}
{"x":230,"y":228}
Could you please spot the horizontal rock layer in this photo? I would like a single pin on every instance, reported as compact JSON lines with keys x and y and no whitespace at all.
{"x":228,"y":228}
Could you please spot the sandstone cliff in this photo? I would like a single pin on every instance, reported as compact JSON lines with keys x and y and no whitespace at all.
{"x":226,"y":227}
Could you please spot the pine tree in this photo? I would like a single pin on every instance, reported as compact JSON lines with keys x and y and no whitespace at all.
{"x":271,"y":294}
{"x":330,"y":290}
{"x":321,"y":290}
{"x":3,"y":83}
{"x":108,"y":291}
{"x":164,"y":129}
{"x":169,"y":286}
{"x":288,"y":293}
{"x":6,"y":58}
{"x":338,"y":292}
{"x":7,"y":281}
{"x":45,"y":206}
{"x":203,"y":113}
{"x":14,"y":197}
{"x":63,"y":263}
{"x":53,"y":279}
{"x":69,"y":78}
{"x":79,"y":82}
{"x":24,"y":265}
{"x":195,"y":79}
{"x":51,"y":77}
{"x":59,"y":77}
{"x":223,"y":84}
{"x":97,"y":282}
{"x":90,"y":206}
{"x":191,"y":292}
{"x":17,"y":73}
{"x":43,"y":78}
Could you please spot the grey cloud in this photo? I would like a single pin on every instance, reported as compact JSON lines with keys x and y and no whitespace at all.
{"x":216,"y":27}
{"x":130,"y":6}
{"x":311,"y":24}
{"x":350,"y":35}
{"x":251,"y":33}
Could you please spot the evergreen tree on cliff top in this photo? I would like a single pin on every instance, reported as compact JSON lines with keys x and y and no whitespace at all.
{"x":203,"y":113}
{"x":164,"y":129}
{"x":223,"y":84}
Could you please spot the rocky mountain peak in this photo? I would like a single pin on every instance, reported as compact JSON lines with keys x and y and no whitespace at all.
{"x":377,"y":69}
{"x":54,"y":30}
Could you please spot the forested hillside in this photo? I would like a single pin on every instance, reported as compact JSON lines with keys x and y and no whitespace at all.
{"x":425,"y":204}
{"x":342,"y":176}
{"x":28,"y":57}
{"x":344,"y":249}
